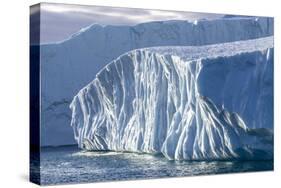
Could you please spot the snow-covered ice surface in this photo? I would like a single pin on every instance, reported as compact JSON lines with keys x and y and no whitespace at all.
{"x":194,"y":103}
{"x":69,"y":65}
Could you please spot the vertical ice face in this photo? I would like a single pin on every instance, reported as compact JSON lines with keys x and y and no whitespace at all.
{"x":70,"y":65}
{"x":184,"y":102}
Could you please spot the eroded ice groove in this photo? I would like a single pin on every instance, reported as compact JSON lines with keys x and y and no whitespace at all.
{"x":70,"y":65}
{"x":203,"y":107}
{"x":183,"y":102}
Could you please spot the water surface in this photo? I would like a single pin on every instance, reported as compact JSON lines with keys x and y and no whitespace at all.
{"x":68,"y":164}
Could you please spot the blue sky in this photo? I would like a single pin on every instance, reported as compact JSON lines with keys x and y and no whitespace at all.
{"x":59,"y":21}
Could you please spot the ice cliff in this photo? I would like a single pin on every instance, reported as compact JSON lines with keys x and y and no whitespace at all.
{"x":71,"y":64}
{"x":195,"y":103}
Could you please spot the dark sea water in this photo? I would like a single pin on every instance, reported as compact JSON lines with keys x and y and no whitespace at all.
{"x":68,"y":164}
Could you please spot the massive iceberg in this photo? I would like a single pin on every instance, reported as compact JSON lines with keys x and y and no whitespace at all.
{"x":69,"y":65}
{"x":211,"y":102}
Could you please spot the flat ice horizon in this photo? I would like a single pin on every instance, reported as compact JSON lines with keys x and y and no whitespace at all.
{"x":210,"y":102}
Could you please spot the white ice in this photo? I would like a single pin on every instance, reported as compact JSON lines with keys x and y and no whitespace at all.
{"x":69,"y":65}
{"x":209,"y":102}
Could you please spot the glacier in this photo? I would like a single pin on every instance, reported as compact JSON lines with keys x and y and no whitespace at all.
{"x":69,"y":65}
{"x":211,"y":102}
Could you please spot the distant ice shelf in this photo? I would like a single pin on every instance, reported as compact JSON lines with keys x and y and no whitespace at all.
{"x":212,"y":102}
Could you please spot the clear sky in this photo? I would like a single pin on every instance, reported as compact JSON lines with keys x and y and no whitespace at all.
{"x":59,"y":21}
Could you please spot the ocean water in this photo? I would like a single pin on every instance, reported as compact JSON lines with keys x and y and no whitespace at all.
{"x":68,"y":164}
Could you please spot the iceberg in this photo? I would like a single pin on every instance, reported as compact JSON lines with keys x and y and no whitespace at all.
{"x":69,"y":65}
{"x":211,"y":102}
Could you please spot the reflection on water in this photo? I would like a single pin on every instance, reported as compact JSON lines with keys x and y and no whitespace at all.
{"x":70,"y":165}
